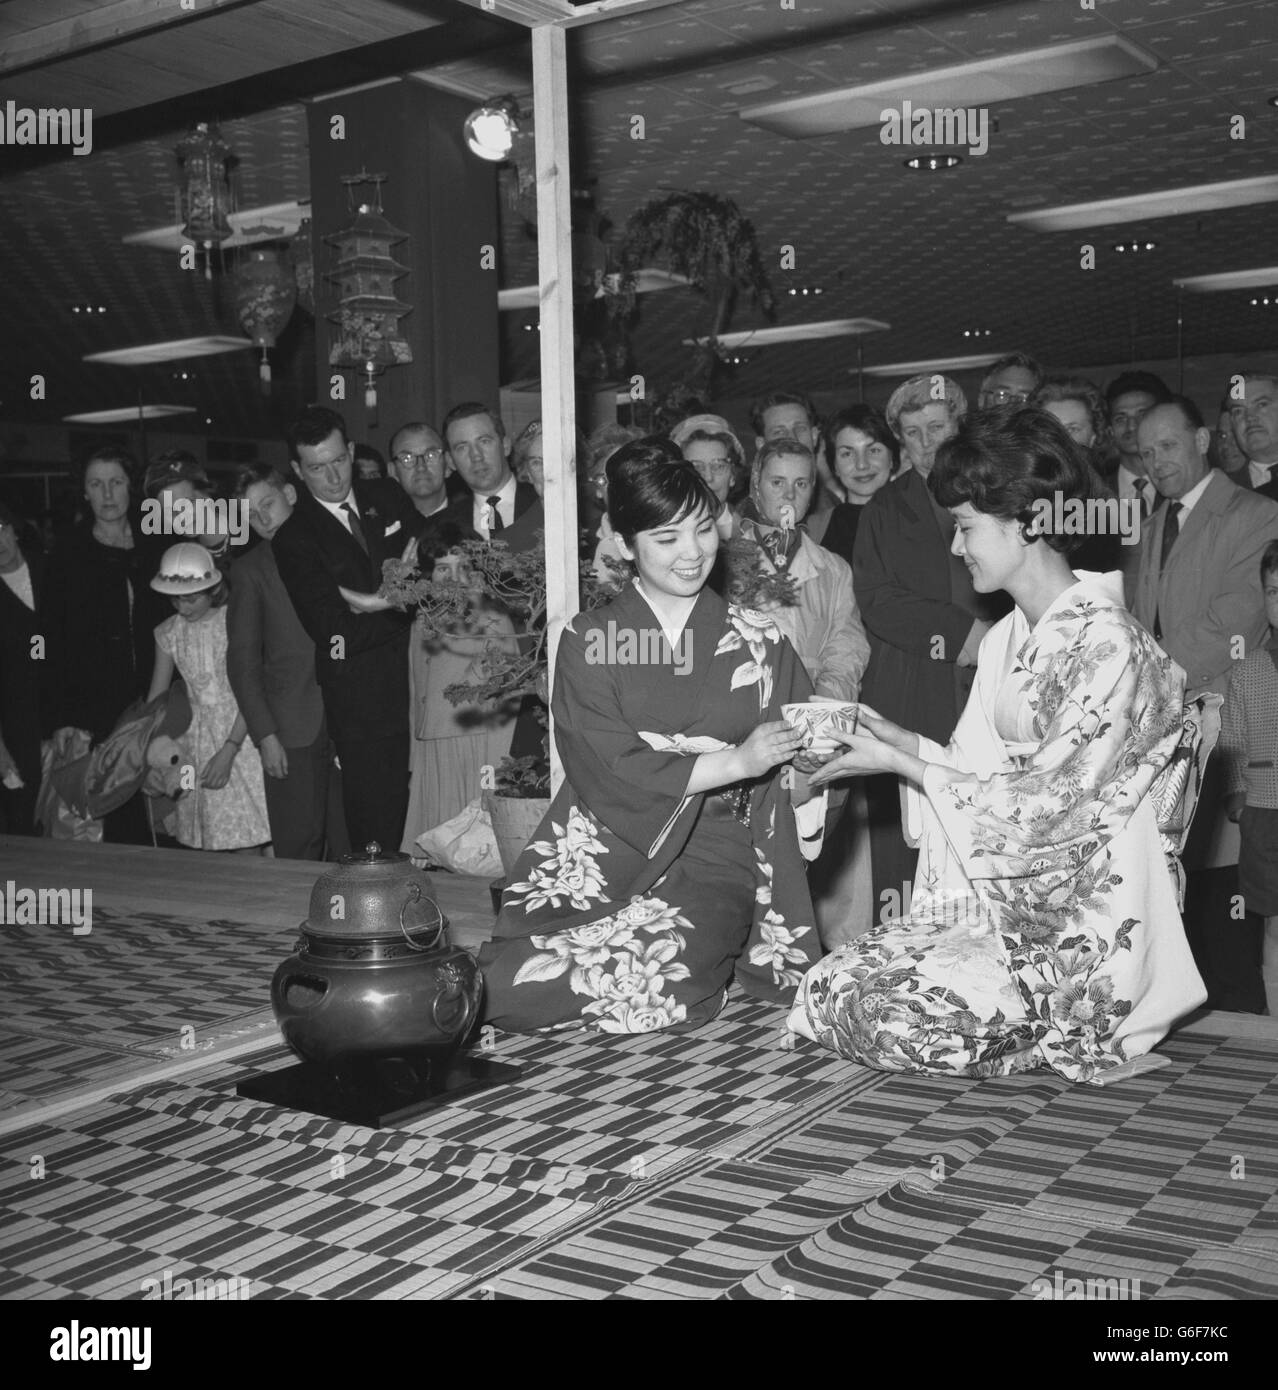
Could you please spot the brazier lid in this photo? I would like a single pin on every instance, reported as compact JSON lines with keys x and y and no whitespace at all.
{"x":377,"y":893}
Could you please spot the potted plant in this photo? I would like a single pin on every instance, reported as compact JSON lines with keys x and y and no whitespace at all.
{"x":515,"y":581}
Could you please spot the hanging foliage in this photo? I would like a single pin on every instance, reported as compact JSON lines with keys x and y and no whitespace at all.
{"x":704,"y":238}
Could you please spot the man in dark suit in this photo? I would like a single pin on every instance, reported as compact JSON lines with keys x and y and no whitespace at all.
{"x":21,"y":671}
{"x":1255,"y":423}
{"x":271,"y":665}
{"x":496,"y":505}
{"x":338,"y":537}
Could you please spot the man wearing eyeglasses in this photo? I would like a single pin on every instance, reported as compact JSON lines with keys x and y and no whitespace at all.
{"x":420,"y":466}
{"x":1012,"y":380}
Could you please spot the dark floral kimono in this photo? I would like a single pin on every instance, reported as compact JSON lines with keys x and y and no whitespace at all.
{"x":635,"y":903}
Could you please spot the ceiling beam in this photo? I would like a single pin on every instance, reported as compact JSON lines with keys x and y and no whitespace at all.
{"x":99,"y":27}
{"x":564,"y":13}
{"x":466,"y":36}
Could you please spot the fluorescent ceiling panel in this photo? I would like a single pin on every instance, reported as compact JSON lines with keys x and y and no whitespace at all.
{"x":795,"y":333}
{"x":175,"y":350}
{"x":982,"y":82}
{"x":275,"y":222}
{"x":1141,"y":207}
{"x":1258,"y":279}
{"x":126,"y":414}
{"x":934,"y":364}
{"x":646,"y":281}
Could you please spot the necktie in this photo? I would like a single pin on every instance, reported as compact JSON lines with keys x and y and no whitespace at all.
{"x":496,"y":523}
{"x":1171,"y":529}
{"x":1142,"y":485}
{"x":357,"y":530}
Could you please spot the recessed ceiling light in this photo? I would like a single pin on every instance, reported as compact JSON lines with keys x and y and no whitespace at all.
{"x":934,"y":364}
{"x":805,"y":289}
{"x":929,"y":163}
{"x":1259,"y":278}
{"x":93,"y":309}
{"x":793,"y":333}
{"x":977,"y":332}
{"x":1264,"y":303}
{"x":1142,"y":207}
{"x":982,"y":82}
{"x":172,"y":351}
{"x":1273,"y":101}
{"x":125,"y":413}
{"x":1134,"y":247}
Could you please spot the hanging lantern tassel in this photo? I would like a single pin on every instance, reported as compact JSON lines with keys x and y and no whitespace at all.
{"x":370,"y":393}
{"x":264,"y":374}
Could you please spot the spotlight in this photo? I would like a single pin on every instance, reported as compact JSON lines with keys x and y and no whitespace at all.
{"x":490,"y":130}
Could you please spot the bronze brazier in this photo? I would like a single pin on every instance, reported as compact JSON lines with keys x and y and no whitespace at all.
{"x":374,"y":993}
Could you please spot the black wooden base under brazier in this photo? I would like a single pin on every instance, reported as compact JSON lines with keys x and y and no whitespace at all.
{"x":381,"y":1095}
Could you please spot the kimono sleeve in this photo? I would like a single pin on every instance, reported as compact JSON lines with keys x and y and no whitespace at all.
{"x":1111,"y":710}
{"x":637,"y":791}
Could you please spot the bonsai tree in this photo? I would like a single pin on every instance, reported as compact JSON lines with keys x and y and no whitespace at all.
{"x":516,"y":581}
{"x":705,"y":238}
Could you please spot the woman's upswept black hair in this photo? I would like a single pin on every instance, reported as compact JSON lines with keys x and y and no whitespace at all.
{"x":1008,"y":460}
{"x":650,"y":485}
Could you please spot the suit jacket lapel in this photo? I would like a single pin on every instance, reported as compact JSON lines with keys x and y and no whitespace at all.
{"x":330,"y":531}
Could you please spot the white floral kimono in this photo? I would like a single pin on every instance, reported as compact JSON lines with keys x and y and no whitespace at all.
{"x":635,"y":903}
{"x":1043,"y":929}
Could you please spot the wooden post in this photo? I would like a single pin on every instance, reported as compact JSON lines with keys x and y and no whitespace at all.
{"x":558,"y":398}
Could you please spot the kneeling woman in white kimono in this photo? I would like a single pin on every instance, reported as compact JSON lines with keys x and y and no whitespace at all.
{"x":1043,"y":930}
{"x":669,"y":861}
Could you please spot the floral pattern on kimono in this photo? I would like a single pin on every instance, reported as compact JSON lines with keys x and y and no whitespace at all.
{"x":1044,"y":929}
{"x":635,"y":903}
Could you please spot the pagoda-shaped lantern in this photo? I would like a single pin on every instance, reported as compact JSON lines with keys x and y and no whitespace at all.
{"x":367,"y":319}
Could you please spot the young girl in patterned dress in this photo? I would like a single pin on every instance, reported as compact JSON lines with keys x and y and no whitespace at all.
{"x":223,"y":805}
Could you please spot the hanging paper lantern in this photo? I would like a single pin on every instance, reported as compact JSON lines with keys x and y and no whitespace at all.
{"x":367,"y":320}
{"x":204,"y":195}
{"x":265,"y":293}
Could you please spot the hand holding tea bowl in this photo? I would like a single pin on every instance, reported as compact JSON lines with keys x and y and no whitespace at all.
{"x":812,"y":720}
{"x":875,"y":745}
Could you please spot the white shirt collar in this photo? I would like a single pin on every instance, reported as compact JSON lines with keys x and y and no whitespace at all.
{"x":1194,"y":493}
{"x":1127,"y":477}
{"x":337,"y":508}
{"x":505,"y":506}
{"x":1260,"y":473}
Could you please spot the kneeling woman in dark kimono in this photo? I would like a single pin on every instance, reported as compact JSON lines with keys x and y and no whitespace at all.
{"x":670,"y":859}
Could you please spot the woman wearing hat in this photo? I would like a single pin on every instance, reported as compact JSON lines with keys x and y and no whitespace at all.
{"x":224,"y":805}
{"x":708,"y":444}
